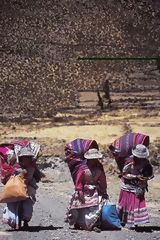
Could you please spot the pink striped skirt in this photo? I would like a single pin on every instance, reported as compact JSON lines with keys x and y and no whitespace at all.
{"x":132,"y":210}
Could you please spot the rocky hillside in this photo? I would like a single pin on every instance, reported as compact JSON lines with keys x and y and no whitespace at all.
{"x":40,"y":42}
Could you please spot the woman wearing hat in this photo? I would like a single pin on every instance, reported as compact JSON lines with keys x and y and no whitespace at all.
{"x":28,"y":165}
{"x":132,"y":207}
{"x":91,"y":188}
{"x":16,"y":212}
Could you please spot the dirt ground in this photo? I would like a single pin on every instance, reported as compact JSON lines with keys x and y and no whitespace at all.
{"x":53,"y":193}
{"x":49,"y":213}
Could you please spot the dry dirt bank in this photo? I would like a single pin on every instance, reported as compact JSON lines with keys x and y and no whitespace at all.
{"x":53,"y":134}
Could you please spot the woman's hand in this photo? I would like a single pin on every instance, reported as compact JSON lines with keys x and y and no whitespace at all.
{"x":81,"y":197}
{"x":105,"y":196}
{"x":142,"y":178}
{"x":21,"y":171}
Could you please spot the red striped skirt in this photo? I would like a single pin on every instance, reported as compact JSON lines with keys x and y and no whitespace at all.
{"x":132,"y":210}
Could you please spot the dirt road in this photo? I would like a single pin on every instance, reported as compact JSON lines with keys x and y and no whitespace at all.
{"x":49,"y":213}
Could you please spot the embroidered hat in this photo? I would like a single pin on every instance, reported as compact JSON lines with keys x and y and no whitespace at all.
{"x":140,"y":151}
{"x":93,"y":153}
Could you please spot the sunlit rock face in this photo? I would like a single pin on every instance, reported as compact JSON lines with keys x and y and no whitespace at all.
{"x":40,"y":42}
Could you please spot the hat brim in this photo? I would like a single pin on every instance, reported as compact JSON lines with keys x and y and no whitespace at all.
{"x":93,"y":156}
{"x":138,"y":155}
{"x":26,"y":155}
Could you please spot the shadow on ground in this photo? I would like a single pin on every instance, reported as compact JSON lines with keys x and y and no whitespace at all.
{"x":147,"y":229}
{"x":37,"y":228}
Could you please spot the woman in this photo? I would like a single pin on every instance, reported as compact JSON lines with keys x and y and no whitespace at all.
{"x":132,"y":207}
{"x":90,"y":188}
{"x":121,"y":148}
{"x":16,"y":212}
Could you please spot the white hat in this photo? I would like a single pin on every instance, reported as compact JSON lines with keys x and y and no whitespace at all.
{"x":25,"y":152}
{"x":140,"y":151}
{"x":93,"y":153}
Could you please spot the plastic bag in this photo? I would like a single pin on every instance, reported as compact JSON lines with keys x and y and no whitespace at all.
{"x":109,"y":217}
{"x":15,"y":190}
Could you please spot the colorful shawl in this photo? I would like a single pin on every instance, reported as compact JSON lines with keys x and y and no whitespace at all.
{"x":74,"y":152}
{"x":5,"y":168}
{"x":122,"y":147}
{"x":16,"y":145}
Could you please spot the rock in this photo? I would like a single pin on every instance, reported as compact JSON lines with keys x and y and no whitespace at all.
{"x":54,"y":169}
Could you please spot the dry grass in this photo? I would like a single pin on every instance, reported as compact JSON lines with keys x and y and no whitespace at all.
{"x":104,"y":128}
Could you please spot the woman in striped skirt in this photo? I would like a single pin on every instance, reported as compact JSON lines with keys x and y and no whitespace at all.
{"x":131,"y":206}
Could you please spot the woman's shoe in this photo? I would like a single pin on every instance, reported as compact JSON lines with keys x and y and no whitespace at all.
{"x":25,"y":224}
{"x":96,"y":229}
{"x":77,"y":227}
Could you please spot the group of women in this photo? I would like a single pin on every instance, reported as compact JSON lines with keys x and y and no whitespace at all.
{"x":90,"y":193}
{"x":86,"y":205}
